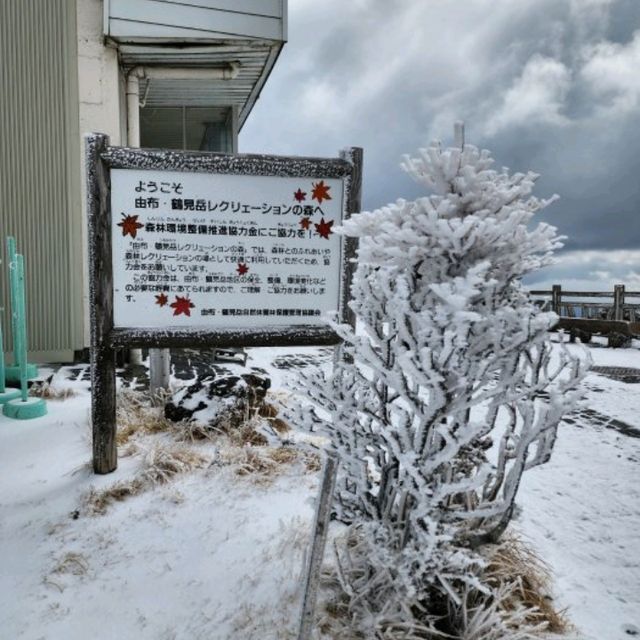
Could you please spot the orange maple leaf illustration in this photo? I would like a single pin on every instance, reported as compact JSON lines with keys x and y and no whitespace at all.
{"x":161,"y":299}
{"x":130,"y":225}
{"x":300,"y":195}
{"x":323,"y":229}
{"x":242,"y":268}
{"x":320,"y":192}
{"x":182,"y":305}
{"x":305,"y":223}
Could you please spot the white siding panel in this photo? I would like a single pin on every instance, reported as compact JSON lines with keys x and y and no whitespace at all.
{"x":271,"y":8}
{"x":172,"y":20}
{"x":130,"y":32}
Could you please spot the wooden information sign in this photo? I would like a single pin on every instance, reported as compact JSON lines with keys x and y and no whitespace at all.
{"x":190,"y":249}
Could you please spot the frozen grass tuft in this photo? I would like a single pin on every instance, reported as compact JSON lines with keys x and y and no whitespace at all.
{"x":160,"y":465}
{"x":135,"y":414}
{"x":249,"y":461}
{"x":511,"y":601}
{"x":270,"y":413}
{"x":248,"y":448}
{"x":263,"y":464}
{"x":164,"y":462}
{"x":97,"y":501}
{"x":193,"y":431}
{"x":524,"y":580}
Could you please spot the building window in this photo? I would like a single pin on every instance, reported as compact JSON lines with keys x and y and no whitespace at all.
{"x":187,"y":128}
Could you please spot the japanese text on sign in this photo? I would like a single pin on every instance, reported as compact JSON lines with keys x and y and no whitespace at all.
{"x":210,"y":250}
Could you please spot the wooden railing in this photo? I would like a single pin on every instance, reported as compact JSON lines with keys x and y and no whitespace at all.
{"x":611,"y":312}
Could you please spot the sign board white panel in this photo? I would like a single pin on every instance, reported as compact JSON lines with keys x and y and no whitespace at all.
{"x":196,"y":250}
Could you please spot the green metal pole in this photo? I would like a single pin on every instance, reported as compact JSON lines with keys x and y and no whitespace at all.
{"x":13,"y":283}
{"x":22,"y":329}
{"x":22,"y":407}
{"x":2,"y":388}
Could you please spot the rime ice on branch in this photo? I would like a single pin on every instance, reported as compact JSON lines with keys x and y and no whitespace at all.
{"x":450,"y":392}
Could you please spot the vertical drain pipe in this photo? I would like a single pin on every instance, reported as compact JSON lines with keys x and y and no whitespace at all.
{"x":159,"y":359}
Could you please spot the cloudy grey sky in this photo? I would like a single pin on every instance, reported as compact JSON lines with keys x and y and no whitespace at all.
{"x":547,"y":85}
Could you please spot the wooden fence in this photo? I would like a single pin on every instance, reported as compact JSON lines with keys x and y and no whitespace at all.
{"x":584,"y":313}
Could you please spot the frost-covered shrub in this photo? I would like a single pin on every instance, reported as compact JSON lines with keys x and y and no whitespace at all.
{"x":447,"y":393}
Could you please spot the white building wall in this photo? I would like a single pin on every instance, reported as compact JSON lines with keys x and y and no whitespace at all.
{"x":100,"y":88}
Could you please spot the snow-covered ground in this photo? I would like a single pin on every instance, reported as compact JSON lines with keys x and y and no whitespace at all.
{"x":219,"y":556}
{"x":581,"y":511}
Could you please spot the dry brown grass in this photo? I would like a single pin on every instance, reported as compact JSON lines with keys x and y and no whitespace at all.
{"x":97,"y":501}
{"x":260,"y":464}
{"x":243,"y":442}
{"x":283,"y":455}
{"x":243,"y":426}
{"x":164,"y":462}
{"x":250,"y":461}
{"x":269,"y":412}
{"x":520,"y":606}
{"x":160,"y":465}
{"x":136,"y":415}
{"x":193,"y":431}
{"x":248,"y":434}
{"x":312,"y":461}
{"x":279,"y":426}
{"x":515,"y":565}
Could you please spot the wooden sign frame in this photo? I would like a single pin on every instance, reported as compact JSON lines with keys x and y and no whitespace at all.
{"x":105,"y":339}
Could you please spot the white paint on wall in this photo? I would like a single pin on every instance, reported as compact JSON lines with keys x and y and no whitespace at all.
{"x":101,"y":106}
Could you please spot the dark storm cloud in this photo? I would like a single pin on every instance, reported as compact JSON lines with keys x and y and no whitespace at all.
{"x":547,"y":85}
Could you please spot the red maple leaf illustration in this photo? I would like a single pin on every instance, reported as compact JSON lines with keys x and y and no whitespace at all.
{"x":300,"y":195}
{"x":130,"y":225}
{"x":320,"y":192}
{"x":323,"y":229}
{"x":242,"y":268}
{"x":305,"y":223}
{"x":161,"y":299}
{"x":182,"y":305}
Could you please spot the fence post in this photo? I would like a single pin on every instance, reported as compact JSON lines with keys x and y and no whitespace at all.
{"x":618,"y":302}
{"x":556,"y":298}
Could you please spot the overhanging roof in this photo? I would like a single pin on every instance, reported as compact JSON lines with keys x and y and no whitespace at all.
{"x":200,"y":34}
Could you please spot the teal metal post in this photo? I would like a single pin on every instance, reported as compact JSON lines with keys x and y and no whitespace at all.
{"x":22,"y":328}
{"x":23,"y":407}
{"x":13,"y":272}
{"x":1,"y":358}
{"x":5,"y":394}
{"x":18,"y":322}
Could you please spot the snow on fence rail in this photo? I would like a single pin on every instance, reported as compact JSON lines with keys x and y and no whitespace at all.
{"x":612,"y":313}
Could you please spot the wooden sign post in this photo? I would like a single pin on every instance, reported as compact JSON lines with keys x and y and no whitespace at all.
{"x":213,"y":250}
